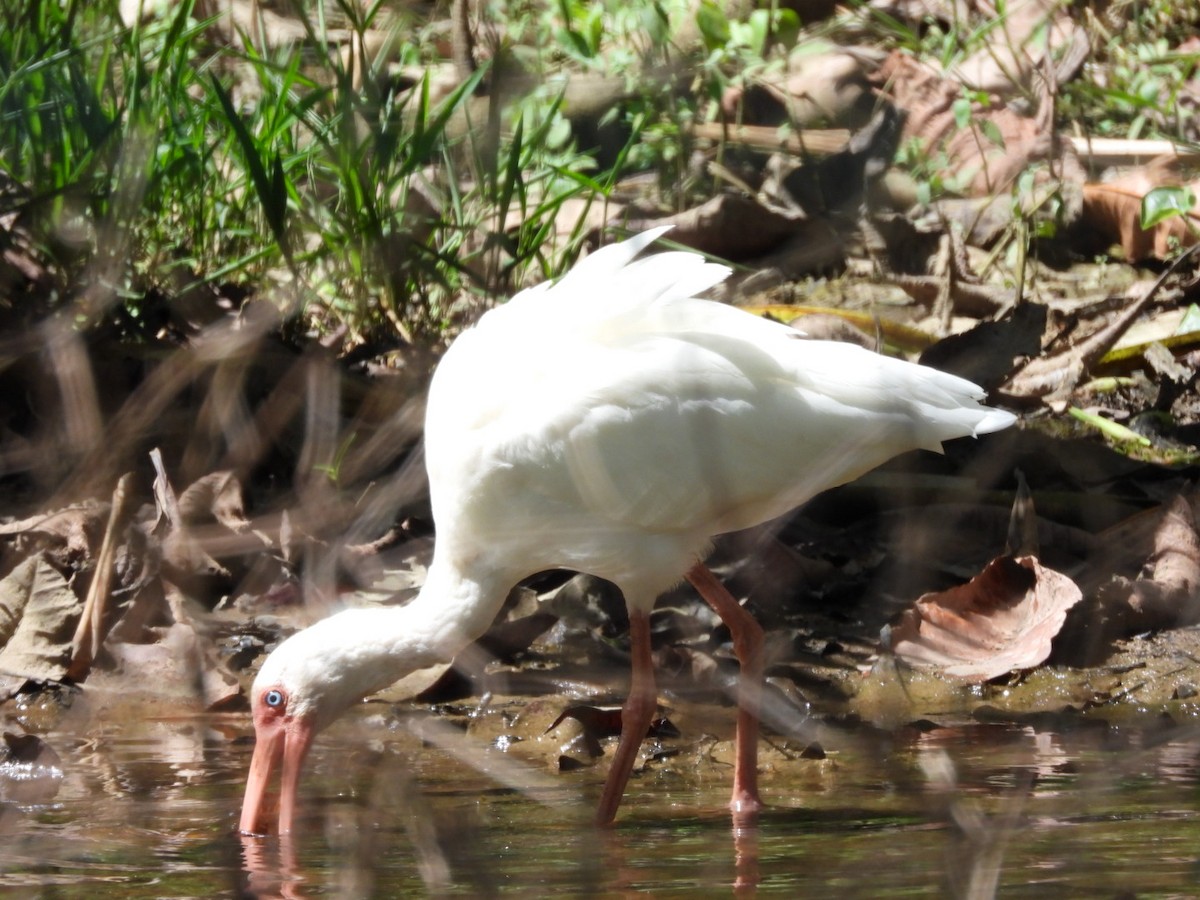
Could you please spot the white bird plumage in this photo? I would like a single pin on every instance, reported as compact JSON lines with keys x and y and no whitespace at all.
{"x":610,"y":423}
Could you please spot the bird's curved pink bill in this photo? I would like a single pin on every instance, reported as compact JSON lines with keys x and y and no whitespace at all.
{"x":281,"y":742}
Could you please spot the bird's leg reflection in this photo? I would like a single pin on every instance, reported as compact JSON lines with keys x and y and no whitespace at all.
{"x":624,"y":854}
{"x":745,"y":854}
{"x":747,"y":637}
{"x":270,"y":875}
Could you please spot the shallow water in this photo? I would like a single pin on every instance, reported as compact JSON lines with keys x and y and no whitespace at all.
{"x":148,"y":809}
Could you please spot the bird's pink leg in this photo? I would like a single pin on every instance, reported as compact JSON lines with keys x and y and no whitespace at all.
{"x":747,"y":637}
{"x":635,"y":717}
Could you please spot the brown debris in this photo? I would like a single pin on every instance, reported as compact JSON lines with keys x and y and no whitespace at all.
{"x":67,"y":535}
{"x":824,"y":88}
{"x":988,"y":353}
{"x":89,"y":635}
{"x":1028,"y":37}
{"x":730,"y":226}
{"x":1056,"y":374}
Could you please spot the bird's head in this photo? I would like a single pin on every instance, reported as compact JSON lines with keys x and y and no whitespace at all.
{"x":304,"y":685}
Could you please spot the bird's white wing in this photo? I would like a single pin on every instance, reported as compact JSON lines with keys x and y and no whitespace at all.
{"x":694,"y":416}
{"x":614,"y":408}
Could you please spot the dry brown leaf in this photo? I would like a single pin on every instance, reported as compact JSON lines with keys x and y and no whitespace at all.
{"x":217,"y":496}
{"x":1054,"y":375}
{"x":1028,"y":35}
{"x":1003,"y":619}
{"x":985,"y":157}
{"x":987,"y":353}
{"x":67,"y":535}
{"x":1167,"y":593}
{"x":1113,"y":209}
{"x":38,"y":616}
{"x":815,"y":88}
{"x":181,"y":661}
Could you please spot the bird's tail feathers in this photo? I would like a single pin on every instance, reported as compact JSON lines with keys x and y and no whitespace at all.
{"x":951,"y":406}
{"x":608,"y":261}
{"x":618,"y":280}
{"x":993,"y":420}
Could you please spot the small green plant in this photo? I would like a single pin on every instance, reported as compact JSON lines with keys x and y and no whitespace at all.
{"x":1163,"y":203}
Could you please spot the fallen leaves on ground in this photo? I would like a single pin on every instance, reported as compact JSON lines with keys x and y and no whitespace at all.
{"x":1002,"y":620}
{"x":86,"y":580}
{"x":38,"y":615}
{"x":1113,"y":209}
{"x":985,"y":149}
{"x":1167,"y":592}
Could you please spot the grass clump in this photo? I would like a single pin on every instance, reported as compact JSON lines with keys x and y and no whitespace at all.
{"x":165,"y":155}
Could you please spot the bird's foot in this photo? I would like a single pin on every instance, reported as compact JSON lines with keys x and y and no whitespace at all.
{"x":746,"y":803}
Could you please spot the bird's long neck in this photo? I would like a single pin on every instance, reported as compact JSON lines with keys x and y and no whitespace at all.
{"x":452,"y":609}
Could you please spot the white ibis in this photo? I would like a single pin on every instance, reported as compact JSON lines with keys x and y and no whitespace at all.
{"x":612,"y":423}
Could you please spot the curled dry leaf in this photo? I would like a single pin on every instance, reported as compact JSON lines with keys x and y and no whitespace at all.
{"x":38,"y":616}
{"x":1167,"y":593}
{"x":1113,"y":210}
{"x":215,"y":497}
{"x":813,"y":89}
{"x":205,"y":526}
{"x":732,"y":226}
{"x":68,"y":535}
{"x":1003,"y":619}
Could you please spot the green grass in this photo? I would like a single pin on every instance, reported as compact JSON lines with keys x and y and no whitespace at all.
{"x":145,"y":159}
{"x":343,"y":201}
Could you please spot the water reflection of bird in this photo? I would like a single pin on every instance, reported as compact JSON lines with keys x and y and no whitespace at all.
{"x":610,"y":424}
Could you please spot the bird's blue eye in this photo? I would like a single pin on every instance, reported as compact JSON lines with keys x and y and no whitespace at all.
{"x":273,"y":699}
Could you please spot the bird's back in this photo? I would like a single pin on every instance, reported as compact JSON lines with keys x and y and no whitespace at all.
{"x":613,"y":423}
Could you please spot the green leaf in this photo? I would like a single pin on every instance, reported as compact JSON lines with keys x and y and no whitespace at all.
{"x":713,"y":25}
{"x":787,"y":27}
{"x":992,"y":132}
{"x":1164,"y":202}
{"x":267,"y":187}
{"x":1190,"y":321}
{"x":760,"y":27}
{"x":1111,"y":429}
{"x":962,"y":112}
